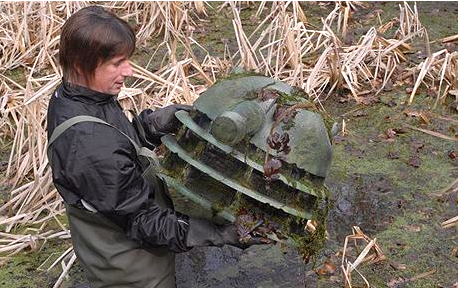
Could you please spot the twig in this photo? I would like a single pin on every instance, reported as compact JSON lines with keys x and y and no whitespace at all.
{"x":432,"y":133}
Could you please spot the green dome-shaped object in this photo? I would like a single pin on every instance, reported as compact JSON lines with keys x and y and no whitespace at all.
{"x":217,"y":168}
{"x":309,"y":140}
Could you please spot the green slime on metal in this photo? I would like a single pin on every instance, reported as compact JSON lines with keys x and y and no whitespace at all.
{"x":214,"y":164}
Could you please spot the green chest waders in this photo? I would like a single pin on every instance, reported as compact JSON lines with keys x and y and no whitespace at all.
{"x":109,"y":258}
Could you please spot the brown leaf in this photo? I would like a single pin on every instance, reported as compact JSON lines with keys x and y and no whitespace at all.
{"x":360,"y":113}
{"x":453,"y":154}
{"x":393,"y":283}
{"x":388,"y":86}
{"x":393,"y":155}
{"x":400,"y":130}
{"x":328,"y":268}
{"x":398,"y":266}
{"x":266,"y":94}
{"x":455,"y":252}
{"x":385,"y":138}
{"x":418,"y":146}
{"x":424,"y":118}
{"x":369,"y":100}
{"x":414,"y":161}
{"x":390,"y":103}
{"x":390,"y":133}
{"x":271,"y":168}
{"x":413,"y":228}
{"x":411,"y":113}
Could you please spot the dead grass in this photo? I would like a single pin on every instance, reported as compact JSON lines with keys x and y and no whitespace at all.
{"x":371,"y":253}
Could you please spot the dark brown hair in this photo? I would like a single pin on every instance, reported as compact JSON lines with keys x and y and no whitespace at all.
{"x":90,"y":37}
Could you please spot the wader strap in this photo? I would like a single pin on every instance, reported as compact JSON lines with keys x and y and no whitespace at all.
{"x":78,"y":119}
{"x":139,"y":127}
{"x":141,"y":151}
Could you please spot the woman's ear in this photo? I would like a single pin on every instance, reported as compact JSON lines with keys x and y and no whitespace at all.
{"x":77,"y":76}
{"x":78,"y":71}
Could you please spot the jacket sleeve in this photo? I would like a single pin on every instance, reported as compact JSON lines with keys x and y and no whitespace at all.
{"x":105,"y":173}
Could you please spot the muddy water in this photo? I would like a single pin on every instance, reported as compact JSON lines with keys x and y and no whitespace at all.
{"x":260,"y":266}
{"x":362,"y":201}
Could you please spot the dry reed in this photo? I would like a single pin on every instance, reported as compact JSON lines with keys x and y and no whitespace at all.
{"x":371,"y":253}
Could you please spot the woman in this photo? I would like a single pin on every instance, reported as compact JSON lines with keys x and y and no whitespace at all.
{"x":124,"y":229}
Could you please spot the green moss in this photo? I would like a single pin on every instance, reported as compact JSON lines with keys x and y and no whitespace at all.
{"x":296,"y":96}
{"x":21,"y":270}
{"x":415,"y":237}
{"x":310,"y":244}
{"x":414,"y":249}
{"x":17,"y":75}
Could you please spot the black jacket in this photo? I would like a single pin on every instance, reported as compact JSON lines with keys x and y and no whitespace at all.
{"x":96,"y":163}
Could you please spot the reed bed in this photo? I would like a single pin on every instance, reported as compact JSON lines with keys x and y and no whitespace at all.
{"x":318,"y":60}
{"x":283,"y":46}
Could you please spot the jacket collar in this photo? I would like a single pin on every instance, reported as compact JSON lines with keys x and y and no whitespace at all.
{"x":83,"y":94}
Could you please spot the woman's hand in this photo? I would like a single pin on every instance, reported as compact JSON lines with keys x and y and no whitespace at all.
{"x":164,"y":120}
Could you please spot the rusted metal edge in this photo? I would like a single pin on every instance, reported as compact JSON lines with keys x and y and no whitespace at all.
{"x":174,"y":147}
{"x":204,"y":203}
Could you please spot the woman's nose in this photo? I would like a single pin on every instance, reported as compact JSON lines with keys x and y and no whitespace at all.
{"x":127,"y":69}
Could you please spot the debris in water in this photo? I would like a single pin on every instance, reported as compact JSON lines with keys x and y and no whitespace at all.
{"x":372,"y":253}
{"x":414,"y":161}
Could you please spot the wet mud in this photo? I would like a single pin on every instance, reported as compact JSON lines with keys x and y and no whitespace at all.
{"x":374,"y":185}
{"x":362,"y":201}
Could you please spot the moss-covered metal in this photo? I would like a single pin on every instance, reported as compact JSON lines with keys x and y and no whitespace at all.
{"x":227,"y":181}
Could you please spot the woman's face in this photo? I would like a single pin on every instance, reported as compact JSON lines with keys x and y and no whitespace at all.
{"x":109,"y":76}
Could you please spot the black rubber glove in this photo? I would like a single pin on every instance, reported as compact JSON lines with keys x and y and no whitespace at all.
{"x":205,"y":233}
{"x":160,"y":122}
{"x":164,"y":120}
